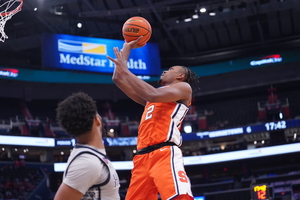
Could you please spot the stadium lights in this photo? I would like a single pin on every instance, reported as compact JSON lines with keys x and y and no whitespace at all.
{"x":202,"y":10}
{"x":79,"y":25}
{"x":187,"y":19}
{"x":187,"y":128}
{"x":222,"y":147}
{"x":212,"y":13}
{"x":195,"y":16}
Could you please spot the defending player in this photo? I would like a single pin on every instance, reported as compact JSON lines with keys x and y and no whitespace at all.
{"x":89,"y":173}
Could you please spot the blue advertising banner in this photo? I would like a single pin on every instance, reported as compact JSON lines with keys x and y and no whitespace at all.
{"x":247,"y":63}
{"x":89,"y":54}
{"x":61,"y":76}
{"x":132,"y":141}
{"x":269,"y":126}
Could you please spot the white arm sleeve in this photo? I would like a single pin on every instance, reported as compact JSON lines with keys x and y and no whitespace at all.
{"x":84,"y":172}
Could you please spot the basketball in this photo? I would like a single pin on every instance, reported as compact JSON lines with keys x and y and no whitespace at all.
{"x":135,"y":27}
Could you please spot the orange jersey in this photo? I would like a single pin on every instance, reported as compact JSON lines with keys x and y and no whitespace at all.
{"x":161,"y":122}
{"x":160,"y":171}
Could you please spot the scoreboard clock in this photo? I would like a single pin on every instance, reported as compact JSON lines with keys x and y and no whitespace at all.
{"x":259,"y":192}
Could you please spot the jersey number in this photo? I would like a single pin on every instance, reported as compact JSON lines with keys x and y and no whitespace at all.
{"x":183,"y":177}
{"x":149,"y":112}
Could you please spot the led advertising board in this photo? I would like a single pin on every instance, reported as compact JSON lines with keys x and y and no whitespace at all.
{"x":215,"y":158}
{"x":89,"y":54}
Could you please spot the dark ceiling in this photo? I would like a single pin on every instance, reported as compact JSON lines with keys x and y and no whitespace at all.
{"x":238,"y":29}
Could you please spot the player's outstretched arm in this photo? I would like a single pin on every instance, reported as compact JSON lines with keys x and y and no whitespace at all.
{"x":120,"y":81}
{"x":177,"y":92}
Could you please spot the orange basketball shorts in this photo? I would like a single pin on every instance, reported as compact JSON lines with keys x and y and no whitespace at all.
{"x":160,"y":171}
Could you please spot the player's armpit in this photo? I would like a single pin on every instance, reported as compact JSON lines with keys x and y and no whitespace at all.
{"x":65,"y":192}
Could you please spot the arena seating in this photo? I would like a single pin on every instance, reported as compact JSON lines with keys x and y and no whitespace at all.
{"x":211,"y":112}
{"x":230,"y":180}
{"x":18,"y":181}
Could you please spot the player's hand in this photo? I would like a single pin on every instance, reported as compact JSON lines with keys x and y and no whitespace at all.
{"x":133,"y":44}
{"x":120,"y":61}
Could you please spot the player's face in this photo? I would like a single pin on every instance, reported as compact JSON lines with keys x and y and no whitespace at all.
{"x":170,"y":75}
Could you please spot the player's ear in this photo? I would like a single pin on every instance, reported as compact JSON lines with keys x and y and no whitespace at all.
{"x":181,"y":76}
{"x":100,"y":123}
{"x":98,"y":120}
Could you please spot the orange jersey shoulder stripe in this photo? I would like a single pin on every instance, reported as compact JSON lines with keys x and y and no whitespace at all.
{"x":161,"y":122}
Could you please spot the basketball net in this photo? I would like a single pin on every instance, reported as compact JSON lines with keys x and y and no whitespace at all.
{"x":8,"y":9}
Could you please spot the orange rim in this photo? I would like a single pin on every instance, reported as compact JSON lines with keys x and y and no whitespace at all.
{"x":13,"y":11}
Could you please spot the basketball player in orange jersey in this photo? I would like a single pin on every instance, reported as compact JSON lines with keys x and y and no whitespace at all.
{"x":158,"y":165}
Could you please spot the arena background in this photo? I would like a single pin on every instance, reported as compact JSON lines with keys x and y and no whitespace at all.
{"x":233,"y":94}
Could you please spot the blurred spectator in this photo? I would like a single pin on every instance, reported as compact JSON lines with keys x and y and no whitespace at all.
{"x":17,"y":182}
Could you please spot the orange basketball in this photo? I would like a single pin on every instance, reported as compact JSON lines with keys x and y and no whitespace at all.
{"x":134,"y":27}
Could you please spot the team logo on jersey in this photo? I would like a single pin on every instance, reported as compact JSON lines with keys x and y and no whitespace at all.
{"x":163,"y":149}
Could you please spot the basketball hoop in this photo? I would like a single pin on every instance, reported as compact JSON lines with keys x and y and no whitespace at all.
{"x":8,"y":9}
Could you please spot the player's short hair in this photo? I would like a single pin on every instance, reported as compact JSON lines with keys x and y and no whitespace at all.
{"x":191,"y":78}
{"x":76,"y":113}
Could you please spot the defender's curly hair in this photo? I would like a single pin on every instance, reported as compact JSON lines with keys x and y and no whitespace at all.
{"x":76,"y":113}
{"x":191,"y":78}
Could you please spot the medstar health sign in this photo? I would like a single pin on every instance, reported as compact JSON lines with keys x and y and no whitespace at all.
{"x":89,"y":54}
